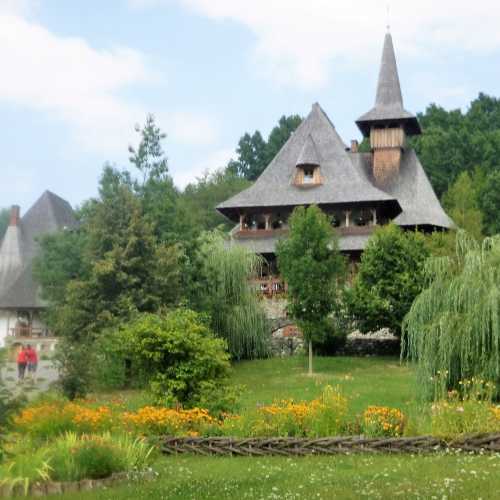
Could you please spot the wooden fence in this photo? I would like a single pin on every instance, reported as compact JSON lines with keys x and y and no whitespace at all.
{"x":326,"y":446}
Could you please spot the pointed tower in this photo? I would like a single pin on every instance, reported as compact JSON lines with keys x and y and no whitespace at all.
{"x":387,"y":124}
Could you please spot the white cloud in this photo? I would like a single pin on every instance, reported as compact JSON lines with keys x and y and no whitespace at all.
{"x":72,"y":81}
{"x":296,"y":40}
{"x":214,"y":160}
{"x":188,"y":127}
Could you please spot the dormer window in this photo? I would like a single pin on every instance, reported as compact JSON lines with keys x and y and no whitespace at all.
{"x":308,"y":175}
{"x":308,"y":165}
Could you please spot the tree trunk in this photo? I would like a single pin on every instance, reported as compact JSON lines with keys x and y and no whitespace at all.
{"x":310,"y":371}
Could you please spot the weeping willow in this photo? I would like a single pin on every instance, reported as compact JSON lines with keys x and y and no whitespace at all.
{"x":453,"y":327}
{"x":236,"y":313}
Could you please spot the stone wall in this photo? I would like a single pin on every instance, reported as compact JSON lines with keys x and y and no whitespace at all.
{"x":381,"y":343}
{"x":286,"y":338}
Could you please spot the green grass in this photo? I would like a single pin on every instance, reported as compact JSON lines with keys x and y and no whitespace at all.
{"x":366,"y":381}
{"x":343,"y":477}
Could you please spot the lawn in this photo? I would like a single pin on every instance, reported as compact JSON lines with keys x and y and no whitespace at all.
{"x":366,"y":381}
{"x":343,"y":477}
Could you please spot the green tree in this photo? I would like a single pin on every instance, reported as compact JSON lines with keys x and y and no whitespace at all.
{"x":228,"y":296}
{"x":254,"y":153}
{"x":454,"y":142}
{"x":453,"y":327}
{"x":489,"y":202}
{"x":156,"y":190}
{"x":198,"y":201}
{"x":4,"y":221}
{"x":461,"y":203}
{"x":390,"y":276}
{"x":310,"y":262}
{"x":280,"y":134}
{"x":128,"y":272}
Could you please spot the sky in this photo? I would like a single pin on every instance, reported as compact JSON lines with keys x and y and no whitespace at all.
{"x":77,"y":76}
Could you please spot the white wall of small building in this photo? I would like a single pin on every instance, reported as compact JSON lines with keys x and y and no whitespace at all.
{"x":8,"y":320}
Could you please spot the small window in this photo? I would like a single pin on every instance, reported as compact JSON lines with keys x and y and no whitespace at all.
{"x":308,"y":175}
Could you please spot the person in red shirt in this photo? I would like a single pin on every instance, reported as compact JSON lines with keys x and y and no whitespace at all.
{"x":22,"y":361}
{"x":32,"y":360}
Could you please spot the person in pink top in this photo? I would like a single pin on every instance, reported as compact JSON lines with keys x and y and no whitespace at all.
{"x":22,"y":360}
{"x":32,"y":359}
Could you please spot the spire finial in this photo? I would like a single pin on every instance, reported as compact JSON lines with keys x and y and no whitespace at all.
{"x":388,"y":11}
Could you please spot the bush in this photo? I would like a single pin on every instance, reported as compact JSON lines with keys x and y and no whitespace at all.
{"x":381,"y":421}
{"x":49,"y":419}
{"x":324,"y":416}
{"x":468,"y":410}
{"x":390,"y":276}
{"x":71,"y":458}
{"x":184,"y":361}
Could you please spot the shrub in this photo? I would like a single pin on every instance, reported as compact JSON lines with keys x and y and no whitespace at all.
{"x":465,"y":411}
{"x":324,"y":416}
{"x":154,"y":421}
{"x":184,"y":361}
{"x":53,"y":418}
{"x":390,"y":276}
{"x":380,"y":421}
{"x":71,"y":458}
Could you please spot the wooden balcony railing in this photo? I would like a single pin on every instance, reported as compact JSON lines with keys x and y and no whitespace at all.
{"x":271,"y":286}
{"x":259,"y":233}
{"x":29,"y":331}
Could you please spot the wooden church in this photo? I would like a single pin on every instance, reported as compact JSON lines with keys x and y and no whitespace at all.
{"x":360,"y":191}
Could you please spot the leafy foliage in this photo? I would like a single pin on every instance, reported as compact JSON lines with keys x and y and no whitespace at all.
{"x":461,"y":203}
{"x":180,"y":356}
{"x":489,"y":202}
{"x":390,"y":276}
{"x":198,"y":201}
{"x":310,"y":262}
{"x":230,"y":300}
{"x":453,"y":326}
{"x":254,"y":153}
{"x":454,"y":141}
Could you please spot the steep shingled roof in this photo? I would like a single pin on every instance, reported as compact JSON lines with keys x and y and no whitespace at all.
{"x":389,"y":99}
{"x":343,"y":182}
{"x":49,"y":214}
{"x":413,"y":191}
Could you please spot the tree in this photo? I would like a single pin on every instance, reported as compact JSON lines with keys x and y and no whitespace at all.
{"x":310,"y":262}
{"x":156,"y":190}
{"x":4,"y":221}
{"x":489,"y":201}
{"x":461,"y":203}
{"x":280,"y":134}
{"x":390,"y":276}
{"x":196,"y":206}
{"x":454,"y":142}
{"x":453,"y":327}
{"x":254,"y":153}
{"x":229,"y":298}
{"x":127,"y":272}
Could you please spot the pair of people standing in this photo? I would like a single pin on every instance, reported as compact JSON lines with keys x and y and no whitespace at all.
{"x":27,"y":358}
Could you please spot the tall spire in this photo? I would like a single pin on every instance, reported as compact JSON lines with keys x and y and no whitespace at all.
{"x":389,"y":88}
{"x":389,"y":99}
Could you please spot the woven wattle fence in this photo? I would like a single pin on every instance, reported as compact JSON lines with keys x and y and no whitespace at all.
{"x":256,"y":447}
